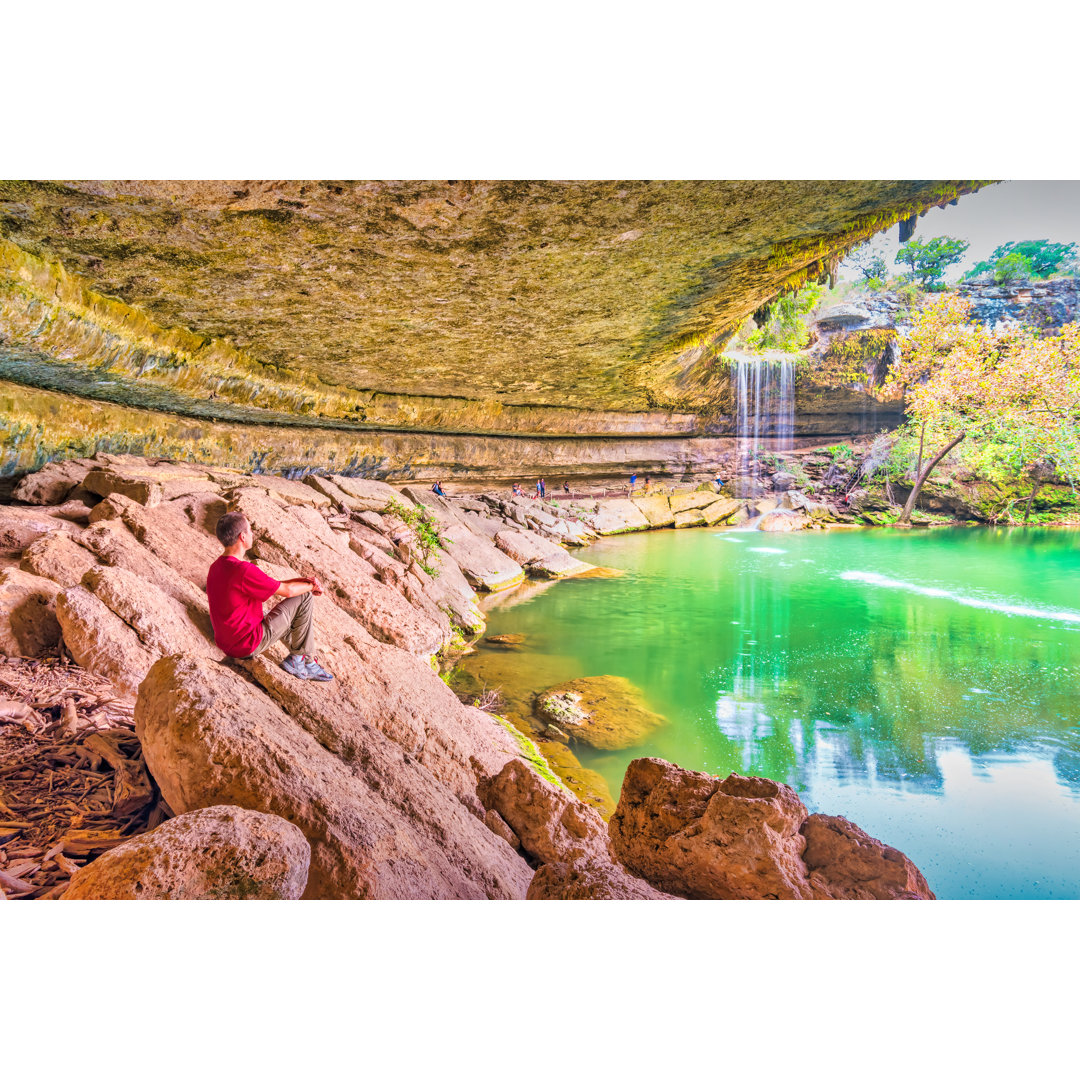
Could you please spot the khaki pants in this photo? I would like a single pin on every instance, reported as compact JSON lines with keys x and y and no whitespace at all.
{"x":290,"y":621}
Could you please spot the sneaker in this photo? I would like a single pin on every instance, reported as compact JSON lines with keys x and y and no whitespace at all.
{"x":316,"y":672}
{"x":294,"y":664}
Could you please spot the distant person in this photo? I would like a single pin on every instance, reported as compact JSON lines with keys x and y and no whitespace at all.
{"x":518,"y":489}
{"x":566,"y":487}
{"x":540,"y":489}
{"x":719,"y":481}
{"x":633,"y":481}
{"x":646,"y":485}
{"x":437,"y":488}
{"x":236,"y":590}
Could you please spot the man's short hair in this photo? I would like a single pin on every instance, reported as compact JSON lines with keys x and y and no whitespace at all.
{"x":229,"y":527}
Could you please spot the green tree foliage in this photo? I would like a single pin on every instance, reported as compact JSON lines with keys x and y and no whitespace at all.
{"x":1012,"y":268}
{"x":1045,"y":258}
{"x":785,"y":327}
{"x":928,"y":260}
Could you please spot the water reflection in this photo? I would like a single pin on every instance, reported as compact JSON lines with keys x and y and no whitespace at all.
{"x":907,"y":709}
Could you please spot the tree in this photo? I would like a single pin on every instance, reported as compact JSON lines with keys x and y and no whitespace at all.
{"x":1011,"y":268}
{"x":784,"y":327}
{"x":869,"y":263}
{"x":962,"y":380}
{"x":1045,"y":258}
{"x":929,"y":260}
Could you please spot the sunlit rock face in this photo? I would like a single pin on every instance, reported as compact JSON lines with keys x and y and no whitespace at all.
{"x":572,"y":309}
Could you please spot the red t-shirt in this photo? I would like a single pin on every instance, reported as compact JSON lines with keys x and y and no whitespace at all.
{"x":236,"y":591}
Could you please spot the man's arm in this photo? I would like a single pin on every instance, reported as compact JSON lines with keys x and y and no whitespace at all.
{"x":299,"y":586}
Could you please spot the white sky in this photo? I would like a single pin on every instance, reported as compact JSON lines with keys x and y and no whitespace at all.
{"x":1013,"y":210}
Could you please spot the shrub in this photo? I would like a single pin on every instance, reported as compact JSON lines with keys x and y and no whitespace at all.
{"x":425,"y":529}
{"x":1012,"y":268}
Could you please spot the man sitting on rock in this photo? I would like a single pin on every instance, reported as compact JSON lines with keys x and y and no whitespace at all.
{"x":236,"y":590}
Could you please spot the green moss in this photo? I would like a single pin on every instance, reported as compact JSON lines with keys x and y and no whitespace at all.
{"x":531,"y":752}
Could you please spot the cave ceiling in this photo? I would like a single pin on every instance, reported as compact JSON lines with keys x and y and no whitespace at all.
{"x":528,"y":307}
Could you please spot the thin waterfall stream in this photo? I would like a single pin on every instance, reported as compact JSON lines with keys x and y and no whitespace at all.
{"x":765,"y":410}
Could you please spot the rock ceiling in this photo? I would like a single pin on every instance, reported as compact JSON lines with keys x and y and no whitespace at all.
{"x":522,"y":307}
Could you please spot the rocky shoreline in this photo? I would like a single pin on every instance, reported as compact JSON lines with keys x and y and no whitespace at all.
{"x":388,"y":785}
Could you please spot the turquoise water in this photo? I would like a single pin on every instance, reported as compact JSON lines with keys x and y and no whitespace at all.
{"x":923,"y":684}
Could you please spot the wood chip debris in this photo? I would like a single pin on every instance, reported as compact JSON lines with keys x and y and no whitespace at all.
{"x":73,"y":783}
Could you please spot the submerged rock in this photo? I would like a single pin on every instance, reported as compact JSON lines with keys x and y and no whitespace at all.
{"x":605,"y":711}
{"x":505,"y":641}
{"x":217,"y":853}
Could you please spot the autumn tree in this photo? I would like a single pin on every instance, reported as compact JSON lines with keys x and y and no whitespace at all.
{"x":928,"y":260}
{"x":962,"y":380}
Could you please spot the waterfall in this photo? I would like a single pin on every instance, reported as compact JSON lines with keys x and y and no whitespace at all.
{"x":765,"y":409}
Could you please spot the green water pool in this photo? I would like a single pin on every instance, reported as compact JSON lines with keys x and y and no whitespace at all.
{"x":923,"y":684}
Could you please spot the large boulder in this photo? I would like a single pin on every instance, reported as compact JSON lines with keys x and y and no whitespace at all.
{"x":590,"y":879}
{"x":723,"y":509}
{"x":335,"y":538}
{"x":745,"y":838}
{"x":781,"y":521}
{"x":450,"y":590}
{"x":846,"y":863}
{"x":554,"y":828}
{"x":604,"y":711}
{"x":52,"y":483}
{"x":381,"y":609}
{"x":217,"y":853}
{"x":709,"y":839}
{"x":540,"y":557}
{"x":20,"y":526}
{"x":380,"y":686}
{"x":657,"y":509}
{"x":286,"y":492}
{"x":115,"y":545}
{"x":681,"y":501}
{"x":363,"y":495}
{"x":551,"y":823}
{"x":483,"y":564}
{"x":28,"y":625}
{"x":380,"y":827}
{"x":689,"y":519}
{"x":140,"y":488}
{"x":615,"y":516}
{"x":100,"y":641}
{"x":59,"y":557}
{"x":162,"y":623}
